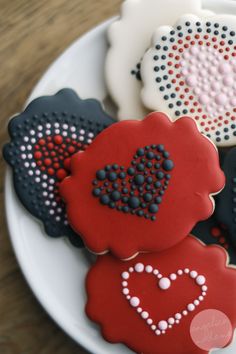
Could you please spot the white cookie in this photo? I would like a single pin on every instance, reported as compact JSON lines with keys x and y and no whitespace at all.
{"x":129,"y":38}
{"x":191,"y":70}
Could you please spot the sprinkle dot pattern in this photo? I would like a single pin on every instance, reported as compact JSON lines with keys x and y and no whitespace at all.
{"x":194,"y":69}
{"x":44,"y":138}
{"x":139,"y":189}
{"x":164,"y":283}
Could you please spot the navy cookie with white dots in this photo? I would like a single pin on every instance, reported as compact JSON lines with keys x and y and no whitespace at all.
{"x":43,"y":139}
{"x":212,"y":232}
{"x":226,"y":200}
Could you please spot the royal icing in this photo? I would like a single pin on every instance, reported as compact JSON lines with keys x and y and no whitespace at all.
{"x":134,"y":29}
{"x":191,"y":69}
{"x":134,"y":178}
{"x":43,"y":139}
{"x":149,"y":303}
{"x":226,"y":202}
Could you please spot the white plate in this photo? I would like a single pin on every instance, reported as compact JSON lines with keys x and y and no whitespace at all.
{"x":54,"y":269}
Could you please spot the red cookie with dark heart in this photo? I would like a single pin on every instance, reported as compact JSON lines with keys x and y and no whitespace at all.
{"x":148,"y":303}
{"x":142,"y":185}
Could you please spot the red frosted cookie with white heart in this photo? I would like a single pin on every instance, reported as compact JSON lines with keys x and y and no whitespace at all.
{"x":142,"y":185}
{"x":191,"y":69}
{"x":152,"y":303}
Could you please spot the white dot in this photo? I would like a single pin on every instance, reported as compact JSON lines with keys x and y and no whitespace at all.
{"x":73,"y":129}
{"x":22,"y":148}
{"x":149,"y":269}
{"x":91,"y":135}
{"x":173,"y":276}
{"x":30,"y":172}
{"x":81,"y":138}
{"x":159,"y":276}
{"x":125,"y":275}
{"x":178,"y":316}
{"x":185,"y":313}
{"x":128,"y":297}
{"x":201,"y":298}
{"x":124,"y":283}
{"x":200,"y":280}
{"x":158,"y":332}
{"x":134,"y":301}
{"x":139,"y":267}
{"x":162,"y":325}
{"x":58,"y":218}
{"x":186,"y":271}
{"x":57,"y":131}
{"x":47,"y":203}
{"x":180,"y":272}
{"x":191,"y":307}
{"x":125,"y":291}
{"x":144,"y":315}
{"x":139,"y":309}
{"x":48,"y":125}
{"x":26,"y":139}
{"x":193,"y":274}
{"x":51,"y":212}
{"x":131,"y":269}
{"x":32,"y":132}
{"x":153,"y":327}
{"x":65,"y":126}
{"x":82,"y":131}
{"x":196,"y":302}
{"x":164,"y":283}
{"x":27,"y":164}
{"x":149,"y":321}
{"x":56,"y":125}
{"x":155,"y":272}
{"x":74,"y":136}
{"x":171,"y":320}
{"x":204,"y":288}
{"x":64,"y":133}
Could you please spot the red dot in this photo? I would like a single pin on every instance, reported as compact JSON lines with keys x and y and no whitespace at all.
{"x":42,"y":142}
{"x":37,"y":155}
{"x":66,"y":163}
{"x":226,"y":57}
{"x":53,"y":153}
{"x":215,"y":232}
{"x":39,"y":163}
{"x":36,"y":147}
{"x":50,"y":146}
{"x":71,"y":149}
{"x":58,"y":139}
{"x":56,"y":165}
{"x":46,"y":153}
{"x":47,"y":162}
{"x":222,"y":240}
{"x":51,"y":171}
{"x":49,"y":138}
{"x":61,"y":174}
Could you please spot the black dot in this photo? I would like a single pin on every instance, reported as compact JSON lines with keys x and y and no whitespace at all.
{"x":165,"y":48}
{"x":158,"y":200}
{"x":112,"y":176}
{"x":158,"y":79}
{"x":187,"y":23}
{"x":162,"y":88}
{"x":149,"y":164}
{"x":105,"y":199}
{"x":150,"y":155}
{"x":156,"y":57}
{"x":115,"y":196}
{"x":122,"y":175}
{"x":168,"y":165}
{"x":177,"y":113}
{"x":149,"y":180}
{"x":198,"y":24}
{"x":156,"y":68}
{"x":157,"y":184}
{"x":160,"y":175}
{"x":216,"y":25}
{"x":230,"y":42}
{"x":147,"y":197}
{"x":96,"y":192}
{"x":140,"y":167}
{"x":153,"y":208}
{"x":108,"y":168}
{"x":101,"y":175}
{"x":208,"y":24}
{"x":172,"y":33}
{"x":158,"y":47}
{"x":139,"y":180}
{"x":171,"y":105}
{"x":131,"y":171}
{"x":133,"y":202}
{"x":179,"y":28}
{"x":216,"y":33}
{"x":226,"y":137}
{"x":172,"y":40}
{"x":164,"y":38}
{"x":232,"y":33}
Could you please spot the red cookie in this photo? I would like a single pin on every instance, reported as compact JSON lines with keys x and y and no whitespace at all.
{"x":149,"y":303}
{"x":142,"y":185}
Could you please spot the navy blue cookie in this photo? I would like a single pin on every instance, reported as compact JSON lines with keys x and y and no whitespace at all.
{"x":226,"y":200}
{"x":43,"y":139}
{"x":211,"y":232}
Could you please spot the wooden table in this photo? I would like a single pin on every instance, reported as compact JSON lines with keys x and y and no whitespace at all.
{"x":32,"y":34}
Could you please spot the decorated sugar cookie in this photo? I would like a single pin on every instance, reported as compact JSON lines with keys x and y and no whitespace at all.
{"x":149,"y":303}
{"x":211,"y":232}
{"x":226,"y":203}
{"x":135,"y":178}
{"x":43,"y":139}
{"x":129,"y":38}
{"x":191,"y":69}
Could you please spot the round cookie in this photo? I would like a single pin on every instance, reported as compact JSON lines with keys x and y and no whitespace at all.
{"x":212,"y":232}
{"x":149,"y":303}
{"x":191,"y":69}
{"x":142,"y":185}
{"x":129,"y":38}
{"x":43,"y":139}
{"x":226,"y":201}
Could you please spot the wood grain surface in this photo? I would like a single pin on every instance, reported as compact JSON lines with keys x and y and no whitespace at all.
{"x":32,"y":34}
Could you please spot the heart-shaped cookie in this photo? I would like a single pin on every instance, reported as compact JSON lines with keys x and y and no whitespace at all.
{"x":157,"y":174}
{"x":149,"y":303}
{"x":43,"y":139}
{"x":138,"y":189}
{"x":191,"y":69}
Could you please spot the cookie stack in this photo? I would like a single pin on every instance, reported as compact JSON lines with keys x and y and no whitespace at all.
{"x":146,"y":193}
